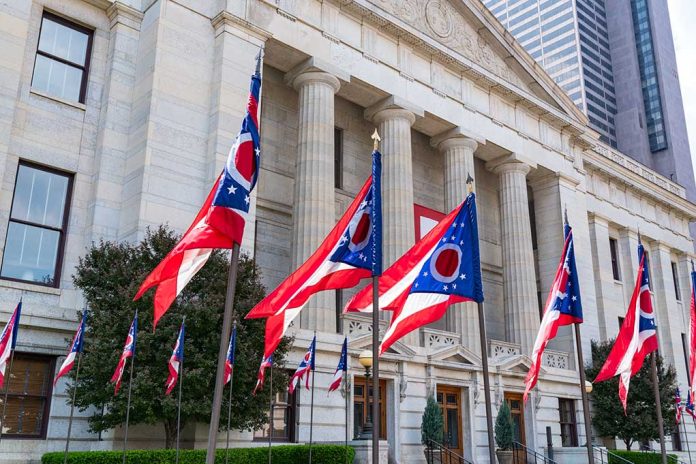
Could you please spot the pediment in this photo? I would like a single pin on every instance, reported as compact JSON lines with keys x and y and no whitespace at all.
{"x":364,"y":342}
{"x":519,"y":364}
{"x":455,"y":354}
{"x":466,"y":28}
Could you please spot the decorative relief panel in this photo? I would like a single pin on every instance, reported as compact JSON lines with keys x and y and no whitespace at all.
{"x":441,"y":21}
{"x":557,"y":359}
{"x":439,"y":338}
{"x":501,"y":349}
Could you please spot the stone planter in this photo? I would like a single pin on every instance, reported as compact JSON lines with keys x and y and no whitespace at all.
{"x":504,"y":456}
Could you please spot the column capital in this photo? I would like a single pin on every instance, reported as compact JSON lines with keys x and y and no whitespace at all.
{"x":120,"y":13}
{"x":393,"y":107}
{"x":508,"y":164}
{"x":316,"y":70}
{"x":457,"y":137}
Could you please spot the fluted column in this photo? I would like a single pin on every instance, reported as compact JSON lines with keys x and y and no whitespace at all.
{"x":519,"y":280}
{"x":458,"y":152}
{"x":394,"y":119}
{"x":313,"y":206}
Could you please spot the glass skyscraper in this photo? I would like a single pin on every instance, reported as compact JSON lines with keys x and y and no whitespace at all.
{"x":616,"y":61}
{"x":569,"y":39}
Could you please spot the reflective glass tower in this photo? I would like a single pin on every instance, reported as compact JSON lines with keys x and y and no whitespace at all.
{"x":616,"y":61}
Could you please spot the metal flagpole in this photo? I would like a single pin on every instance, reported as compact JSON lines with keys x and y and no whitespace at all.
{"x":688,"y":379}
{"x":229,"y":405}
{"x":7,"y":391}
{"x":181,"y":385}
{"x":311,"y":406}
{"x":345,"y":386}
{"x":484,"y":361}
{"x":72,"y":408}
{"x":658,"y":406}
{"x":688,"y":448}
{"x":375,"y":343}
{"x":222,"y":355}
{"x":130,"y":388}
{"x":270,"y":414}
{"x":585,"y":400}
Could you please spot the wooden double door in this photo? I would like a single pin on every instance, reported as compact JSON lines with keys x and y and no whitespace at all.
{"x":516,"y":405}
{"x":450,"y":401}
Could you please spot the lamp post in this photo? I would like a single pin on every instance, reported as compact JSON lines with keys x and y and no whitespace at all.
{"x":365,"y":360}
{"x":588,"y":387}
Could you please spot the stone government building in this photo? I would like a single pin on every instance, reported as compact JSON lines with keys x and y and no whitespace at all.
{"x":118,"y":115}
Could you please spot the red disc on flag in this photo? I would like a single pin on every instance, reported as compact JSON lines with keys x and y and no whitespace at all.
{"x":445,"y":263}
{"x":360,"y":230}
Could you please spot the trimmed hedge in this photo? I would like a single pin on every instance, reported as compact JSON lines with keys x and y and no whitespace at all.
{"x":638,"y":457}
{"x":284,"y":454}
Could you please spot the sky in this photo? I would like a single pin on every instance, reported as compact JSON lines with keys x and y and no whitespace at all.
{"x":682,"y":14}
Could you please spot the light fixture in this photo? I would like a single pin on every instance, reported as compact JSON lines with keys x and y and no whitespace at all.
{"x":365,"y":359}
{"x":588,"y":386}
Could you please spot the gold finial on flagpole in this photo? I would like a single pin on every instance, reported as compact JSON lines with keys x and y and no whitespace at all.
{"x":469,"y":183}
{"x":376,"y":139}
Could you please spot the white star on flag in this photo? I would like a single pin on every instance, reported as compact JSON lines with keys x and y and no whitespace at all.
{"x":232,"y":190}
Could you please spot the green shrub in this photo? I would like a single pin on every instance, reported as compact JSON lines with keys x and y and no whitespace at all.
{"x":285,"y":454}
{"x":504,"y":427}
{"x":638,"y":457}
{"x":433,"y":423}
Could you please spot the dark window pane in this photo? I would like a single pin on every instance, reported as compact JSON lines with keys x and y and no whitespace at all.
{"x":452,"y":428}
{"x":675,"y":279}
{"x":613,"y":249}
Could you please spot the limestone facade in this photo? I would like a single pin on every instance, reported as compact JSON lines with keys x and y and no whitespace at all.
{"x":451,"y":94}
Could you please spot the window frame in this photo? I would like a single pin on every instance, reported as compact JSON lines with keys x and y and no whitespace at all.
{"x":364,"y":400}
{"x":338,"y":158}
{"x":614,"y":257}
{"x":51,"y":360}
{"x":62,"y":232}
{"x":291,"y":407}
{"x":675,"y":280}
{"x":573,"y":424}
{"x":88,"y":52}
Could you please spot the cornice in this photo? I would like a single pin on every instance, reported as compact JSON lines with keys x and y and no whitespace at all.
{"x":120,"y":13}
{"x":223,"y":19}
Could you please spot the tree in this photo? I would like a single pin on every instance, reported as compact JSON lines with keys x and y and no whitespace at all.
{"x":433,"y":423}
{"x":109,"y":276}
{"x":639,"y":423}
{"x":504,"y":428}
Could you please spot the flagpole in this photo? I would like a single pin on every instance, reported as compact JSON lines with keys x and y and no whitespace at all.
{"x":658,"y":406}
{"x":375,"y":346}
{"x":178,"y":408}
{"x":229,"y":405}
{"x":311,"y":409}
{"x":583,"y":392}
{"x":688,"y":448}
{"x":7,"y":390}
{"x":688,"y":380}
{"x":72,"y":408}
{"x":345,"y":384}
{"x":130,"y":388}
{"x":270,"y":413}
{"x":222,"y":355}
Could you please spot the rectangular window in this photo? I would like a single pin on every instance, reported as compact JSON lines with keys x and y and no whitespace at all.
{"x":37,"y":227}
{"x":569,"y":427}
{"x":28,"y":396}
{"x":62,"y":59}
{"x":675,"y":279}
{"x":339,"y":310}
{"x":338,"y":157}
{"x":284,"y":406}
{"x":614,"y":251}
{"x":647,"y":269}
{"x":362,"y":406}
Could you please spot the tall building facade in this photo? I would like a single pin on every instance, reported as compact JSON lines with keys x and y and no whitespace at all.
{"x":617,"y":62}
{"x":118,"y":115}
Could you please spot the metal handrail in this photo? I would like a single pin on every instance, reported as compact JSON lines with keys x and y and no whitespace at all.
{"x":529,"y":456}
{"x":437,"y":453}
{"x":615,"y":457}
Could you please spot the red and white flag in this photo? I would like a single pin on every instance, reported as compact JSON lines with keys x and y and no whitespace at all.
{"x":75,"y":348}
{"x":692,"y":339}
{"x":637,"y":337}
{"x":351,"y":252}
{"x":442,"y":269}
{"x":341,"y":369}
{"x":175,"y":360}
{"x":8,"y":340}
{"x":261,"y":376}
{"x":220,"y":222}
{"x":128,"y":352}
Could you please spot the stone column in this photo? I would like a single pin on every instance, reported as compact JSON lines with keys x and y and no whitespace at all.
{"x":394,"y":118}
{"x":313,"y":210}
{"x":458,"y":151}
{"x":519,"y":281}
{"x":665,"y":304}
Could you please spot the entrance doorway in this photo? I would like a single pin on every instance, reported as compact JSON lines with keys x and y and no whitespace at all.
{"x":449,"y":400}
{"x":516,"y":405}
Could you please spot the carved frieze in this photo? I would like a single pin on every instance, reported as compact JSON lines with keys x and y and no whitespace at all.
{"x":441,"y":21}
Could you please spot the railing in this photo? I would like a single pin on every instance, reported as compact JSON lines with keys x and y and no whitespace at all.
{"x":523,"y":455}
{"x":437,"y":453}
{"x":605,"y":454}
